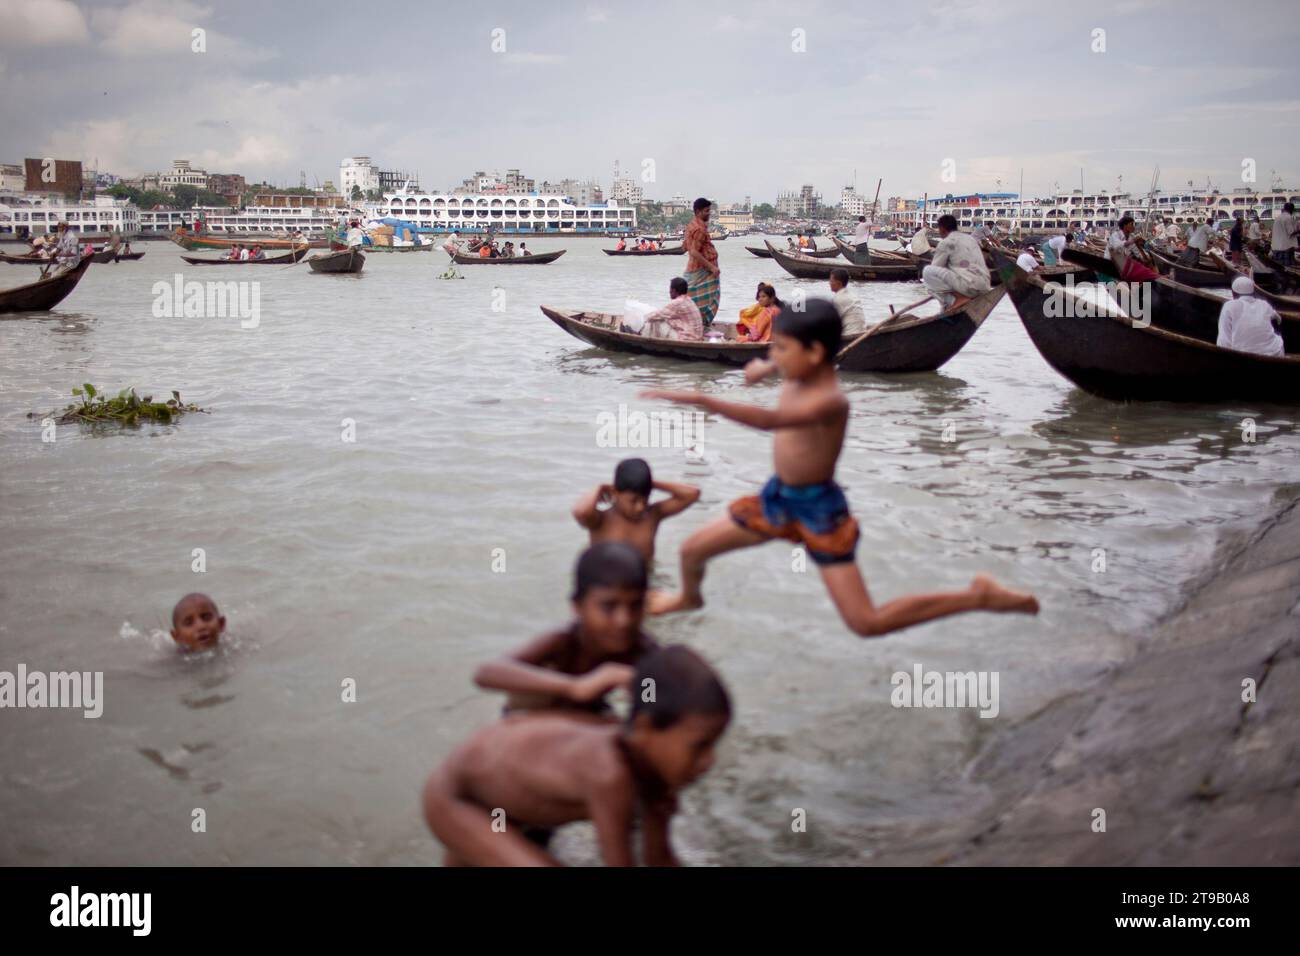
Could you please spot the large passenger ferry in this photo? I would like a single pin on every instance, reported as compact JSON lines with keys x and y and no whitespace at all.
{"x":507,"y":213}
{"x":24,"y":217}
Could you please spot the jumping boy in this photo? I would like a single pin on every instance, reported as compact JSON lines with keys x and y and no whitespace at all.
{"x":545,"y":770}
{"x":197,"y":625}
{"x":631,"y":517}
{"x":574,"y":668}
{"x":802,"y":502}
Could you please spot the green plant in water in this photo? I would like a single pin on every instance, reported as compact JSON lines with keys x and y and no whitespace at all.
{"x":127,"y":408}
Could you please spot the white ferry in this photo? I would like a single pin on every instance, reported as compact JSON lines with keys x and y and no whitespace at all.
{"x":1104,"y":208}
{"x":252,"y":221}
{"x":507,"y":213}
{"x":23,"y":217}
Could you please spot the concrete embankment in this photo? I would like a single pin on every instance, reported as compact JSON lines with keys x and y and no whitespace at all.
{"x":1187,"y":769}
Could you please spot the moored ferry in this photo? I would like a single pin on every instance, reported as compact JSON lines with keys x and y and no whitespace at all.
{"x":507,"y":213}
{"x":96,"y":219}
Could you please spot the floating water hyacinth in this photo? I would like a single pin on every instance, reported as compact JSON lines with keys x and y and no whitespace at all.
{"x":127,"y":408}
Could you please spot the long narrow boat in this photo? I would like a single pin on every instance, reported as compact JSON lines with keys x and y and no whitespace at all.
{"x":912,"y":343}
{"x":1107,"y":353}
{"x":345,"y":260}
{"x":1272,"y":277}
{"x":422,"y":247}
{"x":674,"y":251}
{"x":537,"y":259}
{"x":809,"y":253}
{"x":604,"y":330}
{"x":882,"y":256}
{"x":189,"y":241}
{"x":802,"y":267}
{"x":112,"y":255}
{"x":24,"y":260}
{"x":1266,"y":282}
{"x":285,"y":259}
{"x":44,"y":294}
{"x":1196,"y":276}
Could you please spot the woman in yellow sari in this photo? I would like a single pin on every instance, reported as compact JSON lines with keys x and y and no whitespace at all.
{"x":755,"y":322}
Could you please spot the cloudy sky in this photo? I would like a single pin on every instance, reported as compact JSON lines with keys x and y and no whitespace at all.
{"x":726,"y":99}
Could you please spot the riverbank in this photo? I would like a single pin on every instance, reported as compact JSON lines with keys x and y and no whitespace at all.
{"x":1187,"y":772}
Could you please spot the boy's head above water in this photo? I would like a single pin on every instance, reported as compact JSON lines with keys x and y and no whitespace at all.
{"x":805,"y":340}
{"x":609,"y":596}
{"x":632,"y":485}
{"x":679,"y":710}
{"x":197,"y":625}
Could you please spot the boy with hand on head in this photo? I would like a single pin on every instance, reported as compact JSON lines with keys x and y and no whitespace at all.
{"x":545,"y":770}
{"x":197,"y":625}
{"x":574,"y":668}
{"x":631,"y":517}
{"x":802,"y":502}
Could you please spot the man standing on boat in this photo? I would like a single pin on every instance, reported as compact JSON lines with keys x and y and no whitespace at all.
{"x":67,"y":250}
{"x":703,"y":277}
{"x":1197,"y":244}
{"x":861,"y":242}
{"x":1284,"y":231}
{"x":957,"y":272}
{"x":1124,"y":248}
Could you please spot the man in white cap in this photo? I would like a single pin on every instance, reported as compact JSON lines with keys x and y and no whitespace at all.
{"x":1247,"y":323}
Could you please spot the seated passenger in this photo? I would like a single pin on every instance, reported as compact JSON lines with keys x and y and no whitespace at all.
{"x":680,"y":319}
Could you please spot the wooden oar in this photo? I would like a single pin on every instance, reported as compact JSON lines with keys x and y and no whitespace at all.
{"x":880,"y":326}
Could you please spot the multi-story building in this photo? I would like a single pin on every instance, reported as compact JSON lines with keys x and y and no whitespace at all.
{"x":229,"y":186}
{"x":851,"y":204}
{"x":183,"y":174}
{"x":803,"y":204}
{"x":358,"y":172}
{"x":12,"y":178}
{"x":391,"y":180}
{"x":626,"y":190}
{"x":95,"y":219}
{"x":734,"y":218}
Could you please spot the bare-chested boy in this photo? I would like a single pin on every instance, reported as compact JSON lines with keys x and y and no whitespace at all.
{"x":197,"y":625}
{"x":547,"y":769}
{"x":574,"y":668}
{"x":802,"y":502}
{"x":630,"y":516}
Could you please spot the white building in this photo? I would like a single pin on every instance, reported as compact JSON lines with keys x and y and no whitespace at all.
{"x":518,"y":213}
{"x":851,"y":204}
{"x":626,"y":190}
{"x":183,"y":175}
{"x":357,"y":171}
{"x":94,"y":219}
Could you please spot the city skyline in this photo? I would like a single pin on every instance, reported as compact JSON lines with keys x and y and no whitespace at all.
{"x":950,"y":98}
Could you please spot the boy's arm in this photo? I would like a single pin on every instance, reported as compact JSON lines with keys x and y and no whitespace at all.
{"x":758,"y":369}
{"x":586,"y":512}
{"x":657,"y":849}
{"x":796,"y":413}
{"x":683,"y":496}
{"x":522,"y":673}
{"x":611,"y":806}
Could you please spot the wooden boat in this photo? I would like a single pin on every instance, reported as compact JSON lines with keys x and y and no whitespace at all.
{"x":1196,"y":276}
{"x":44,"y":294}
{"x":603,"y":330}
{"x":422,"y":247}
{"x":1272,"y":277}
{"x":112,"y":255}
{"x":1106,"y":354}
{"x":346,"y":260}
{"x":1185,"y":309}
{"x":24,"y":260}
{"x":287,"y":258}
{"x":190,"y":241}
{"x":813,"y":254}
{"x":803,"y":267}
{"x":537,"y":259}
{"x":912,"y":343}
{"x":882,"y":256}
{"x":674,"y":251}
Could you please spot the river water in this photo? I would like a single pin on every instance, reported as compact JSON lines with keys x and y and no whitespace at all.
{"x":380,"y":560}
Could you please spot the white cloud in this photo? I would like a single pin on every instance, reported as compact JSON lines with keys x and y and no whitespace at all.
{"x":596,"y":14}
{"x":52,"y":23}
{"x":111,"y":141}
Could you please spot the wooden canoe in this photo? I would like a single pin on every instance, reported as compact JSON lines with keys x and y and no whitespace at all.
{"x":602,"y":329}
{"x":1109,"y":355}
{"x":803,"y":267}
{"x":44,"y":294}
{"x":537,"y":259}
{"x":27,"y":260}
{"x":189,"y":241}
{"x":674,"y":251}
{"x":343,"y":261}
{"x":1197,"y":276}
{"x":810,"y":253}
{"x":912,"y":343}
{"x":112,"y":255}
{"x":1268,"y":275}
{"x":287,"y":258}
{"x":881,"y":256}
{"x":1184,"y":309}
{"x":422,"y":247}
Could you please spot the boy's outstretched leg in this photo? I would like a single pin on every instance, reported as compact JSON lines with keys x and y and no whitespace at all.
{"x":466,"y":831}
{"x":718,"y":536}
{"x":849,"y":592}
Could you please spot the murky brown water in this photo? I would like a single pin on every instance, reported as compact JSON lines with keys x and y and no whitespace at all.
{"x":476,"y":430}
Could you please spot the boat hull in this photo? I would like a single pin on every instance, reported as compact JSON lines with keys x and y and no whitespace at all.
{"x":44,"y":294}
{"x":339,"y":263}
{"x":540,"y":259}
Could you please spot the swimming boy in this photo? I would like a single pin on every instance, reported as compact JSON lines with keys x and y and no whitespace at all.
{"x":574,"y":668}
{"x":802,"y":502}
{"x":545,"y":770}
{"x":197,"y":625}
{"x":631,"y":517}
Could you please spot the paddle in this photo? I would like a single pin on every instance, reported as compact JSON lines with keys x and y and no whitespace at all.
{"x":881,"y":326}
